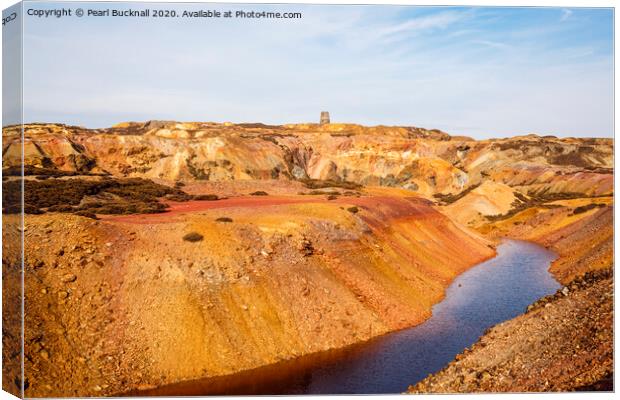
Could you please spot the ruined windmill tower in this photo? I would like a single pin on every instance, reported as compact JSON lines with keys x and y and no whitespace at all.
{"x":324,"y":117}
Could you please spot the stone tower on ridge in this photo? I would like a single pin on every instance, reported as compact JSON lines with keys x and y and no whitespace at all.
{"x":324,"y":117}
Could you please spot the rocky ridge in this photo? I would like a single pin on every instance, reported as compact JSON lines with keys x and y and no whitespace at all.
{"x":425,"y":161}
{"x":367,"y":224}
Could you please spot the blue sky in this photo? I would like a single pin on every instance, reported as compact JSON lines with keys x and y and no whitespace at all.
{"x":483,"y":72}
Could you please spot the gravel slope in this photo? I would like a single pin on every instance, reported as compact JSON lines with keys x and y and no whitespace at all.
{"x":562,"y":343}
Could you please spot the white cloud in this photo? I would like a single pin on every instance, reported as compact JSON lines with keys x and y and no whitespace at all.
{"x":415,"y":25}
{"x":370,"y":65}
{"x":566,"y":14}
{"x":490,"y":43}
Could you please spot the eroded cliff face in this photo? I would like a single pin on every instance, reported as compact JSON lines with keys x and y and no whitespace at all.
{"x":124,"y":303}
{"x":427,"y":162}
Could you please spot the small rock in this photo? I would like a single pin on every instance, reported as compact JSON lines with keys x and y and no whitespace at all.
{"x":69,"y":278}
{"x":305,"y":247}
{"x":485,"y":376}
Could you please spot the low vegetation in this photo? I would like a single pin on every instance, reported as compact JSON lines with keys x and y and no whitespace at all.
{"x":103,"y":196}
{"x":541,"y":199}
{"x":259,"y":125}
{"x":208,"y":197}
{"x":517,"y":207}
{"x":193,"y":237}
{"x":179,"y":197}
{"x":347,"y":193}
{"x":86,"y":214}
{"x":329,"y":183}
{"x":45,"y":172}
{"x":321,"y":193}
{"x":546,"y":195}
{"x":587,"y":207}
{"x":224,"y":219}
{"x":521,"y":196}
{"x":446,"y":199}
{"x":259,"y":193}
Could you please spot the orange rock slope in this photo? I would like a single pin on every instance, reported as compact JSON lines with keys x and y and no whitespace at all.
{"x":125,"y":303}
{"x":580,"y":230}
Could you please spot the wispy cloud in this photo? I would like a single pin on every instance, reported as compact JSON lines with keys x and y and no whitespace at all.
{"x":566,"y":14}
{"x":482,"y":71}
{"x":490,"y":43}
{"x":430,"y":22}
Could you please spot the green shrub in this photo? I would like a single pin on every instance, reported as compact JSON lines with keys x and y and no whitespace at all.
{"x":180,"y":197}
{"x":321,"y":193}
{"x":451,"y":198}
{"x":193,"y":237}
{"x":60,"y":208}
{"x":50,"y":172}
{"x":321,"y":184}
{"x":521,"y":196}
{"x":210,"y":197}
{"x":587,"y":207}
{"x":114,"y":196}
{"x":86,"y":214}
{"x":30,"y":209}
{"x":12,"y":209}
